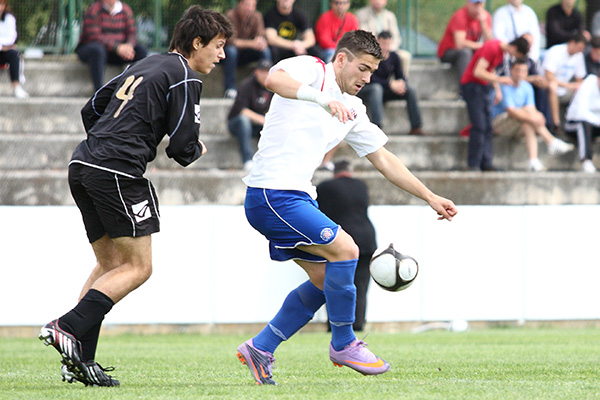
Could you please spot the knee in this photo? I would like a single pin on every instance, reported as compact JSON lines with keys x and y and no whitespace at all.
{"x":348,"y":250}
{"x":143,"y":272}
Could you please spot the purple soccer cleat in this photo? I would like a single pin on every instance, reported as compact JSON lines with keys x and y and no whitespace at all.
{"x":359,"y":358}
{"x":259,"y":362}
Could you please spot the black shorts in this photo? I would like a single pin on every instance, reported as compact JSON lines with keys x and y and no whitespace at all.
{"x":113,"y":203}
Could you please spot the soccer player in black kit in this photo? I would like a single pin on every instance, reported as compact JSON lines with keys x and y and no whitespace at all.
{"x":125,"y":121}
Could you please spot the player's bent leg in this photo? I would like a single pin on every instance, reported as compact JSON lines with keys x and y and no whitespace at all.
{"x":107,"y":259}
{"x":136,"y":254}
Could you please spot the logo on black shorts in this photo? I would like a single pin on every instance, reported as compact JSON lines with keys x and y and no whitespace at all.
{"x":141,"y":211}
{"x":326,"y":234}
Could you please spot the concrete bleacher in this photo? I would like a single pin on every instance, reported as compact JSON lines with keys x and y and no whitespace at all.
{"x":38,"y":135}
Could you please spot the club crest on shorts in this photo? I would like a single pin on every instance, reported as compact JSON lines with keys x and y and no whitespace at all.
{"x":327,"y":234}
{"x":141,"y":211}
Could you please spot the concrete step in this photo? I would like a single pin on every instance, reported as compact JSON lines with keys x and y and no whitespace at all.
{"x":45,"y":187}
{"x":62,"y":115}
{"x":427,"y":153}
{"x":66,"y":76}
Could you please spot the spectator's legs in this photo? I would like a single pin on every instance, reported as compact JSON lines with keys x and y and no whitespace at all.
{"x":11,"y":57}
{"x":583,"y":134}
{"x":95,"y":55}
{"x":241,"y":127}
{"x":541,"y":103}
{"x":279,"y":53}
{"x":414,"y":112}
{"x":372,"y":96}
{"x":530,"y":140}
{"x":229,"y":66}
{"x":327,"y":54}
{"x":459,"y":59}
{"x":554,"y":103}
{"x":480,"y":139}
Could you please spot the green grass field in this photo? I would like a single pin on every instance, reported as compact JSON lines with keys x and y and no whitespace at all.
{"x":510,"y":363}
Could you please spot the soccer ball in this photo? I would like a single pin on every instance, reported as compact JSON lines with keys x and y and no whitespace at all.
{"x":391,"y":270}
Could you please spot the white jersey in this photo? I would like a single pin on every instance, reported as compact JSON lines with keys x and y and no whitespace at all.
{"x":585,"y":106}
{"x":563,"y":65}
{"x":298,"y":133}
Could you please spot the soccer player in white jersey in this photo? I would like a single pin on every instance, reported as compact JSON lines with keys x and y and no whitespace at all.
{"x":314,"y":109}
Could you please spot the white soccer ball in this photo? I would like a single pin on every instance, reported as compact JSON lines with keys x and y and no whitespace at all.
{"x":391,"y":270}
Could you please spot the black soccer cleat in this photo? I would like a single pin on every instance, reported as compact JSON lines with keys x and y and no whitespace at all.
{"x":65,"y":343}
{"x":70,"y":374}
{"x":95,"y":375}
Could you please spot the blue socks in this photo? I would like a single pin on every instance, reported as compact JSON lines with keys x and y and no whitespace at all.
{"x":301,"y":304}
{"x":298,"y":308}
{"x":340,"y":294}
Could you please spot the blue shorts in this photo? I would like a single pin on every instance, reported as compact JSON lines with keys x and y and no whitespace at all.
{"x":289,"y":218}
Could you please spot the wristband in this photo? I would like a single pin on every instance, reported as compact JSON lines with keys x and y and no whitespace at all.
{"x":309,"y":93}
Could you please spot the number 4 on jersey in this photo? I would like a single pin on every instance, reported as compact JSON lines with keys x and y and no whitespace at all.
{"x":125,"y":92}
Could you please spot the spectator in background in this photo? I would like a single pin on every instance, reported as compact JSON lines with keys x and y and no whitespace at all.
{"x":476,"y":90}
{"x":388,"y":83}
{"x":108,"y":36}
{"x":516,"y":115}
{"x":564,"y":67}
{"x":562,"y":22}
{"x":247,"y":115}
{"x":332,"y":24}
{"x":583,"y":119}
{"x":345,"y":200}
{"x":375,"y":18}
{"x":8,"y":49}
{"x":535,"y":77}
{"x":289,"y":32}
{"x":592,"y":57}
{"x":247,"y":44}
{"x":467,"y":27}
{"x":516,"y":19}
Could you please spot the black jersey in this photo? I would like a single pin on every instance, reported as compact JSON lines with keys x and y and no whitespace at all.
{"x":129,"y":116}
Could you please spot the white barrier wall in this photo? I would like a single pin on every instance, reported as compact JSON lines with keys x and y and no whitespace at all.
{"x":210,"y":266}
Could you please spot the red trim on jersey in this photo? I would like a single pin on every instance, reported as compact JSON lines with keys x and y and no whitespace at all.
{"x":318,"y":60}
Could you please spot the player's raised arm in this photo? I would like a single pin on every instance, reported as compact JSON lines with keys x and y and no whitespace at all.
{"x":396,"y":172}
{"x":281,"y":83}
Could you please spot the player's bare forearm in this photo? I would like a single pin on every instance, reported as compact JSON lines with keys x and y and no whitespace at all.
{"x":396,"y":172}
{"x":281,"y":83}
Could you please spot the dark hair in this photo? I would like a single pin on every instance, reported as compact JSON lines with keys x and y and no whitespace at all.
{"x":197,"y":22}
{"x":521,"y":44}
{"x":384,"y":35}
{"x":355,"y":43}
{"x":595,"y":42}
{"x":520,"y":61}
{"x":578,"y":37}
{"x":342,"y":166}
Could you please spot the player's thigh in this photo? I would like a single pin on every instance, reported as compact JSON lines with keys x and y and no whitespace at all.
{"x":342,"y":248}
{"x":136,"y":251}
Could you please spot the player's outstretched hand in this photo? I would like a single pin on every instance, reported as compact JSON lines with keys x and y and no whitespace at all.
{"x":343,"y":114}
{"x":444,"y":207}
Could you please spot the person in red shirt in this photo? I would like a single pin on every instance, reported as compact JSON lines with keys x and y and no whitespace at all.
{"x":476,"y":88}
{"x":467,"y":26}
{"x":332,"y":24}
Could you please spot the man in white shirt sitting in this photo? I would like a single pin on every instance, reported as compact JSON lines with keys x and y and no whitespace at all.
{"x":564,"y":67}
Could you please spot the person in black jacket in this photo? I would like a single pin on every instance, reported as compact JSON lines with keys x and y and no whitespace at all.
{"x":345,"y":200}
{"x":563,"y":21}
{"x":388,"y":83}
{"x":247,"y":114}
{"x":125,"y":121}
